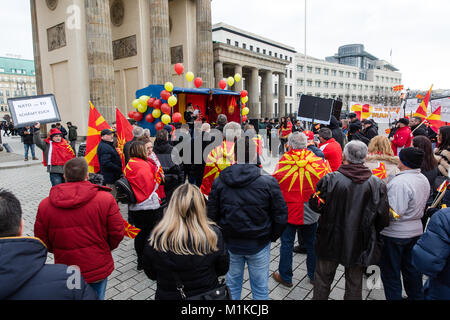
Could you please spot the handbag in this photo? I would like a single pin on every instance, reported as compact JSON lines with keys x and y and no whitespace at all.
{"x":125,"y":193}
{"x":222,"y":292}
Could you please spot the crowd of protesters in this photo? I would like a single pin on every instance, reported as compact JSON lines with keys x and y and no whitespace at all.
{"x":201,"y":220}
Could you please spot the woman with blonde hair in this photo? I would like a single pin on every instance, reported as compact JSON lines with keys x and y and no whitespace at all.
{"x":185,"y":247}
{"x":380,"y":151}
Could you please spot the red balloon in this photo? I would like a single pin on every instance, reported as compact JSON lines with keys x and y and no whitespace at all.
{"x":165,"y":108}
{"x":150,"y":102}
{"x":131,"y":114}
{"x":244,"y":93}
{"x":179,"y":68}
{"x":159,"y":126}
{"x":157,"y":104}
{"x":138,"y":116}
{"x":198,"y":82}
{"x":165,"y":95}
{"x":176,"y":117}
{"x":149,"y":118}
{"x":222,"y":84}
{"x":244,"y":118}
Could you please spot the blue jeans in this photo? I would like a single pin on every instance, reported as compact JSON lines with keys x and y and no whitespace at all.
{"x":258,"y":270}
{"x":395,"y":259}
{"x":308,"y":234}
{"x":100,"y":288}
{"x":56,"y":178}
{"x":27,"y":147}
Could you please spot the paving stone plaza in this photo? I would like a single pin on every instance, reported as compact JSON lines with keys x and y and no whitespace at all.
{"x":31,"y":184}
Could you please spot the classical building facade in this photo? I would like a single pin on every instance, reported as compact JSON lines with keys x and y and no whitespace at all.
{"x":17,"y":79}
{"x":105,"y":50}
{"x":267,"y":67}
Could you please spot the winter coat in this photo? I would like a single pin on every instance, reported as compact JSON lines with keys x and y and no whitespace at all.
{"x":26,"y":138}
{"x":110,"y":162}
{"x":197,"y":273}
{"x":402,"y":139}
{"x":44,"y":146}
{"x":25,"y":275}
{"x":73,"y":133}
{"x":356,"y":209}
{"x":431,"y":256}
{"x":443,"y":158}
{"x":248,"y":207}
{"x":319,"y":153}
{"x":336,"y":131}
{"x":390,"y":162}
{"x":420,"y":131}
{"x":81,"y":223}
{"x":333,"y":153}
{"x":369,"y":132}
{"x":353,"y":127}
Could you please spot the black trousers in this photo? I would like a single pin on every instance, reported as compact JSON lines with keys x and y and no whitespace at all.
{"x":324,"y":276}
{"x":145,"y":220}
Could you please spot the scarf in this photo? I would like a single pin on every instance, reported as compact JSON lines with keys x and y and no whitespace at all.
{"x":358,"y":173}
{"x":58,"y":153}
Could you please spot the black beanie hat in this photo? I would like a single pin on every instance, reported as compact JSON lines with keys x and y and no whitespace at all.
{"x":412,"y":157}
{"x":404,"y":121}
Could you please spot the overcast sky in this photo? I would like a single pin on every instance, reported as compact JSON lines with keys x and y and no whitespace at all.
{"x":417,"y":31}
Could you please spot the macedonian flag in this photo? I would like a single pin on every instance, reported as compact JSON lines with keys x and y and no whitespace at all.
{"x":423,"y":107}
{"x":130,"y":231}
{"x":218,"y":160}
{"x":297,"y":173}
{"x":95,"y":125}
{"x":434,"y":120}
{"x":124,"y":134}
{"x":380,"y":172}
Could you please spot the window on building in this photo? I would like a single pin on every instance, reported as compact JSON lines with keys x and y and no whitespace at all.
{"x":354,"y":98}
{"x":355,"y":75}
{"x":309,"y":69}
{"x":7,"y":93}
{"x":318,"y":95}
{"x":244,"y":46}
{"x":270,"y":53}
{"x":341,"y":73}
{"x":228,"y":41}
{"x":290,"y":108}
{"x":360,"y":87}
{"x":276,"y":109}
{"x":13,"y":70}
{"x":290,"y":91}
{"x":378,"y":78}
{"x":276,"y":55}
{"x":333,"y":85}
{"x":290,"y":73}
{"x":347,"y":85}
{"x":257,"y":50}
{"x":251,"y":48}
{"x":276,"y":89}
{"x":309,"y":83}
{"x":2,"y":100}
{"x":333,"y":73}
{"x":300,"y":82}
{"x":1,"y":92}
{"x":286,"y":73}
{"x":333,"y":96}
{"x":299,"y":68}
{"x":326,"y":84}
{"x":347,"y":74}
{"x":354,"y":86}
{"x":325,"y":95}
{"x":366,"y":87}
{"x":326,"y":71}
{"x":236,"y":44}
{"x":2,"y":70}
{"x":318,"y":84}
{"x":317,"y":70}
{"x":341,"y":85}
{"x":281,"y":56}
{"x":290,"y":59}
{"x":264,"y":51}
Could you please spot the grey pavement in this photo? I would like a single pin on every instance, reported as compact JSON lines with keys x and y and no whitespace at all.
{"x":32,"y":184}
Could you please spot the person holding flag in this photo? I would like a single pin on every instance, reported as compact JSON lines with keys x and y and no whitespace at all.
{"x":402,"y":137}
{"x":381,"y":160}
{"x":57,"y":152}
{"x":109,"y":160}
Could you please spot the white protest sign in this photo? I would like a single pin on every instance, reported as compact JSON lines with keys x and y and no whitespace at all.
{"x":29,"y":110}
{"x":444,"y":103}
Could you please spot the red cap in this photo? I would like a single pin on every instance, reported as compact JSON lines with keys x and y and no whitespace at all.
{"x":309,"y":134}
{"x":55,"y":131}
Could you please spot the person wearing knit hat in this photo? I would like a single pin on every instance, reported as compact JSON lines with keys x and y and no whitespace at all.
{"x":403,"y":136}
{"x":408,"y":193}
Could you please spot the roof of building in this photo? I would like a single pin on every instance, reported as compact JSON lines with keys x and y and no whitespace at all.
{"x":12,"y":65}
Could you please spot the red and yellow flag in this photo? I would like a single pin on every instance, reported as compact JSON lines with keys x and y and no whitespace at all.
{"x":380,"y":172}
{"x":218,"y":160}
{"x":124,"y":134}
{"x":130,"y":231}
{"x":96,"y":124}
{"x":434,"y":120}
{"x":362,"y":111}
{"x":422,"y":109}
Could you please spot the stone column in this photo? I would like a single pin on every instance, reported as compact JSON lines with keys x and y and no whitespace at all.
{"x":238,"y":85}
{"x":281,"y":94}
{"x":218,"y":72}
{"x":100,"y":57}
{"x":160,"y":41}
{"x":263,"y":94}
{"x":36,"y":49}
{"x":205,"y":61}
{"x":268,"y":109}
{"x":253,"y":94}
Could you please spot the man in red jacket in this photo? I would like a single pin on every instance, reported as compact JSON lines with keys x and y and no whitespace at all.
{"x":403,"y":136}
{"x":331,"y":148}
{"x":81,"y":224}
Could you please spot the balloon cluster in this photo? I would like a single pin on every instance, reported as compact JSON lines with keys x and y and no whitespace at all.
{"x":230,"y":81}
{"x":245,"y":111}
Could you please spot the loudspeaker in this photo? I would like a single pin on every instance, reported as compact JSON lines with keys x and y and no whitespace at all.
{"x":315,"y":109}
{"x":337,"y":108}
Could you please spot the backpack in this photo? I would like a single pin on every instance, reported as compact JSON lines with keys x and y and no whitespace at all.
{"x":124,"y":191}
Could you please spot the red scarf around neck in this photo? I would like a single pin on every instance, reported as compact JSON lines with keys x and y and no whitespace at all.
{"x":59,"y":153}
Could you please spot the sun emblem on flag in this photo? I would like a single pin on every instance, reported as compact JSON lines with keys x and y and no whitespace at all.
{"x":219,"y":159}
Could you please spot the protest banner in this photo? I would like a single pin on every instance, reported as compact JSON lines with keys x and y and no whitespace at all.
{"x":26,"y":111}
{"x":379,"y":113}
{"x":444,"y":103}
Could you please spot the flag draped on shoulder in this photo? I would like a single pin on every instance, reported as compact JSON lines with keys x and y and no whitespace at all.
{"x":380,"y":172}
{"x":423,"y":107}
{"x":95,"y":125}
{"x":297,"y":173}
{"x":124,"y":134}
{"x":218,"y":160}
{"x":141,"y":177}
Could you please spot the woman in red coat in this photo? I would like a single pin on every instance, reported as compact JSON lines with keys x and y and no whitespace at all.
{"x":403,"y":136}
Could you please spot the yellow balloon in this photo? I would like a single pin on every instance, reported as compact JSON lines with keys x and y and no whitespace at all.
{"x":172,"y":101}
{"x":142,"y":108}
{"x":143,"y":100}
{"x":189,"y":76}
{"x":244,"y":100}
{"x":169,"y":86}
{"x":245,"y":111}
{"x":165,"y":119}
{"x":156,"y":113}
{"x":230,"y":81}
{"x":136,"y":103}
{"x":237,"y":77}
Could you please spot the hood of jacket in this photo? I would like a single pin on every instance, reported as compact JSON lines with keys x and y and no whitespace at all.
{"x":162,"y":147}
{"x":382,"y":157}
{"x":21,"y":258}
{"x":334,"y":123}
{"x":74,"y":194}
{"x":240,"y":175}
{"x":358,"y":173}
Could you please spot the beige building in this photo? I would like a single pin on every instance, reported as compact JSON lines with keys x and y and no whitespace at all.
{"x":105,"y":50}
{"x":17,"y":79}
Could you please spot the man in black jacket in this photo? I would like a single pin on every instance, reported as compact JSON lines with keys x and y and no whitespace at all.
{"x":25,"y":275}
{"x":251,"y":211}
{"x":27,"y":139}
{"x":354,"y":126}
{"x":73,"y":135}
{"x":109,"y":160}
{"x":369,"y":131}
{"x":414,"y":124}
{"x":354,"y":209}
